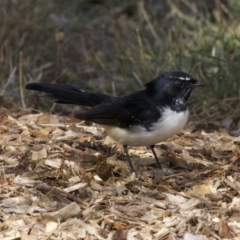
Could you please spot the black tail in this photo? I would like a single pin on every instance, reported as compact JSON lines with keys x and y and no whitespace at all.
{"x":68,"y":94}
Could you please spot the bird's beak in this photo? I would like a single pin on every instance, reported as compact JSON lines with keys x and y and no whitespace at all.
{"x":199,"y":84}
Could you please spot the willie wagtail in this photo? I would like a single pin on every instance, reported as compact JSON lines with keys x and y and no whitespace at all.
{"x":143,"y":118}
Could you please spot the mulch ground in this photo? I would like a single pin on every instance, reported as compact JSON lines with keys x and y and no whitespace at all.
{"x":66,"y":180}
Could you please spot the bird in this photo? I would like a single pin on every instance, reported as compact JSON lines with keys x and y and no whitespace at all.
{"x":143,"y":118}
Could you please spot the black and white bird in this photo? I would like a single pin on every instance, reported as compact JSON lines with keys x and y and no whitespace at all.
{"x":143,"y":118}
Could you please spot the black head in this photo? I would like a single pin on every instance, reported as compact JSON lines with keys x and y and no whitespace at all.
{"x":173,"y":86}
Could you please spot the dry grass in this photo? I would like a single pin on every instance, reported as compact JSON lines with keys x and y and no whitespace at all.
{"x":117,"y":46}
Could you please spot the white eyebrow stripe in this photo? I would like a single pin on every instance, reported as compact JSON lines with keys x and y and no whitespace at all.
{"x":182,"y":78}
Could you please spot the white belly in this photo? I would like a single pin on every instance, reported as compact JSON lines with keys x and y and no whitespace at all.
{"x":171,"y":123}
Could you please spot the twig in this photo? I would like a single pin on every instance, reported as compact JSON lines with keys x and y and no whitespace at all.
{"x":21,"y":80}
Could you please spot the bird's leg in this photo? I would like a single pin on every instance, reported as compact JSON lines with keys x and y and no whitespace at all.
{"x":128,"y":158}
{"x":155,"y":156}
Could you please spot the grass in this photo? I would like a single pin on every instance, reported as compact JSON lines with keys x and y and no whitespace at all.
{"x":116,"y":46}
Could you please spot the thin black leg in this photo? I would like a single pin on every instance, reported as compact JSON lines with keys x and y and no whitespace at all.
{"x":128,"y":158}
{"x":156,"y":158}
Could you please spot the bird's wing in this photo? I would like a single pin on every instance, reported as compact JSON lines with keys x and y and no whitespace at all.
{"x":124,"y":112}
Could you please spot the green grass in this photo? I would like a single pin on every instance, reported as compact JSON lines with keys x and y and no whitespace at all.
{"x":116,"y":46}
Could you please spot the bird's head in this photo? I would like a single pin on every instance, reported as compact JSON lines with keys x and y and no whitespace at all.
{"x":174,"y":86}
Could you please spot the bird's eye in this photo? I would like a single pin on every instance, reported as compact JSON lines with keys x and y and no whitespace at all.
{"x":180,"y":84}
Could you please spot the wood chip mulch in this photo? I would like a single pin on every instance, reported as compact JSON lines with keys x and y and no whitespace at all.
{"x":62,"y":180}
